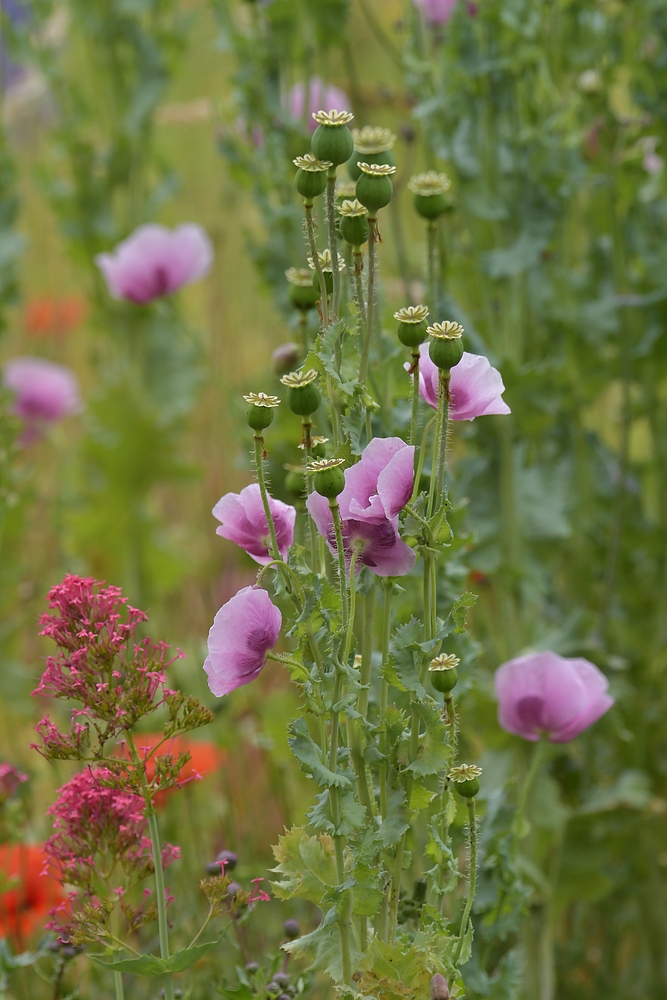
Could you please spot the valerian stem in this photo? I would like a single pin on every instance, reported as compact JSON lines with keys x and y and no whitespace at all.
{"x":472,"y":874}
{"x":324,"y":302}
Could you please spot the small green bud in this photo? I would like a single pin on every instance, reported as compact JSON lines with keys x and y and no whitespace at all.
{"x":374,"y":187}
{"x":430,"y":191}
{"x":446,"y":347}
{"x":259,"y":414}
{"x":303,"y":396}
{"x":465,"y":778}
{"x":443,"y":673}
{"x":329,"y":477}
{"x":412,"y":325}
{"x":332,"y":139}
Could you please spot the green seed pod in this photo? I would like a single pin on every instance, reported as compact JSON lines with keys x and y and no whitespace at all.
{"x":259,"y":414}
{"x":329,"y":477}
{"x":318,"y":449}
{"x":302,"y":294}
{"x":446,"y":347}
{"x":332,"y":139}
{"x":328,"y":281}
{"x":412,"y":325}
{"x":303,"y":396}
{"x":371,"y":145}
{"x":353,"y":168}
{"x":443,"y":673}
{"x":325,"y":264}
{"x":295,"y":482}
{"x":465,"y":779}
{"x":430,"y":191}
{"x":374,"y":187}
{"x":311,"y":176}
{"x":353,"y":224}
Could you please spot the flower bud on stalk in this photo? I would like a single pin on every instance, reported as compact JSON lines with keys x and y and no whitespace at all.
{"x":465,"y":778}
{"x":374,"y":187}
{"x":430,"y":191}
{"x":372,"y":145}
{"x":439,"y":988}
{"x":311,"y":176}
{"x":332,"y":139}
{"x":303,"y":396}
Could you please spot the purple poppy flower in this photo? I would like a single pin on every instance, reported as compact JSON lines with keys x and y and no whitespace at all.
{"x":437,"y":11}
{"x":242,"y":633}
{"x":156,"y":261}
{"x":376,"y":490}
{"x":546,"y":694}
{"x":475,"y":387}
{"x":321,"y":97}
{"x":243,"y":521}
{"x":44,"y":392}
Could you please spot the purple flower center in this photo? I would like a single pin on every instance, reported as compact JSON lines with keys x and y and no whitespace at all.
{"x":530,"y":710}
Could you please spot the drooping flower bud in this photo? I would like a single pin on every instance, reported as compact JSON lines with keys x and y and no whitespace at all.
{"x":439,"y":987}
{"x":372,"y":145}
{"x":412,"y":325}
{"x":303,"y":396}
{"x":353,"y":224}
{"x":259,"y":414}
{"x":311,"y":176}
{"x":446,"y":347}
{"x":443,"y":673}
{"x":465,"y":778}
{"x":329,"y":477}
{"x":430,"y":191}
{"x":374,"y":187}
{"x":332,"y":139}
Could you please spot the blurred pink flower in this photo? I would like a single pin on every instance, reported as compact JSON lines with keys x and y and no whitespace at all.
{"x":376,"y":490}
{"x":44,"y":392}
{"x":156,"y":261}
{"x":242,"y":633}
{"x":321,"y":97}
{"x":475,"y":387}
{"x":436,"y":11}
{"x":546,"y":694}
{"x":10,"y":779}
{"x":243,"y":521}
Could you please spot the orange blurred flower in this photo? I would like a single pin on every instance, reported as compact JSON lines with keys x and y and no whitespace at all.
{"x":205,"y":757}
{"x":34,"y":891}
{"x":46,"y":316}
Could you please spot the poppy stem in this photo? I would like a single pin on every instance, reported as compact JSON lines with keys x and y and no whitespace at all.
{"x":520,"y":825}
{"x":261,"y":479}
{"x":472,"y":874}
{"x":324,"y":303}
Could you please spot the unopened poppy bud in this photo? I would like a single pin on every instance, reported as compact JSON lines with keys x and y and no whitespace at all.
{"x":372,"y":145}
{"x":332,"y":139}
{"x":302,"y":294}
{"x":286,"y":357}
{"x":374,"y":187}
{"x":292,"y":929}
{"x":228,"y":859}
{"x":430,"y":191}
{"x":311,"y":176}
{"x":465,"y":779}
{"x":303,"y":396}
{"x":328,"y":477}
{"x":446,"y":347}
{"x":412,"y":325}
{"x":443,"y":673}
{"x":259,"y":414}
{"x":281,"y":978}
{"x":439,"y":987}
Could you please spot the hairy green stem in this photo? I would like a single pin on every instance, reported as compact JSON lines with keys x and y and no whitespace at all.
{"x":432,"y":244}
{"x":440,"y":443}
{"x":307,"y":426}
{"x":324,"y":301}
{"x":163,"y":926}
{"x":519,"y":825}
{"x":414,"y":420}
{"x":358,"y":285}
{"x":334,"y":803}
{"x":384,"y":690}
{"x":420,"y":461}
{"x":370,"y":297}
{"x":261,"y":479}
{"x":333,"y":242}
{"x":340,"y":550}
{"x":472,"y":874}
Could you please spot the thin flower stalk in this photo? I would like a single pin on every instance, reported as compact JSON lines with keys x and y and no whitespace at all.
{"x":333,"y":241}
{"x":310,"y":229}
{"x":432,"y":252}
{"x":261,"y":479}
{"x":472,"y":874}
{"x":373,"y":236}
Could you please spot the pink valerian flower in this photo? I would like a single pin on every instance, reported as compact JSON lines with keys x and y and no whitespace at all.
{"x":243,"y":521}
{"x":321,"y":97}
{"x":437,"y":11}
{"x":376,"y":490}
{"x":93,"y":820}
{"x":44,"y":392}
{"x":543,"y":694}
{"x":475,"y":387}
{"x":10,"y":779}
{"x":243,"y":632}
{"x":258,"y":895}
{"x":156,"y":261}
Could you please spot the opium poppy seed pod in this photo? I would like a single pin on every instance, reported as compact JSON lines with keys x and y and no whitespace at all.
{"x":328,"y":477}
{"x":326,"y":267}
{"x":372,"y":145}
{"x":259,"y":414}
{"x":446,"y":346}
{"x":430,"y":191}
{"x":374,"y":187}
{"x":353,"y":222}
{"x":311,"y":176}
{"x":412,"y":325}
{"x":465,"y":779}
{"x":332,"y":139}
{"x":303,"y":396}
{"x":302,"y":294}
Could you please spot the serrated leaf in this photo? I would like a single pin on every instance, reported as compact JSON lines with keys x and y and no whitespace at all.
{"x":183,"y":959}
{"x":146,"y":965}
{"x":403,"y":669}
{"x":322,"y":947}
{"x":309,"y":756}
{"x":352,"y":813}
{"x":307,"y":862}
{"x":395,"y":822}
{"x":460,"y":608}
{"x":421,"y":797}
{"x":433,"y":754}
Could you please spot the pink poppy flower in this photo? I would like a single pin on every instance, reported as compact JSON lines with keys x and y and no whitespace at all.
{"x":242,"y":633}
{"x":243,"y":521}
{"x":321,"y":97}
{"x":376,"y":490}
{"x":546,"y":694}
{"x":44,"y":392}
{"x":437,"y":11}
{"x":475,"y":387}
{"x":156,"y":261}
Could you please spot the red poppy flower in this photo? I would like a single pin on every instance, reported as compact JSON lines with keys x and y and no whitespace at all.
{"x":205,"y":757}
{"x":47,"y":316}
{"x":34,"y":890}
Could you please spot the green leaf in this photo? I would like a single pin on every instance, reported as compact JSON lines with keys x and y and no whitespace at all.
{"x":402,"y":671}
{"x":460,"y":608}
{"x":395,"y":822}
{"x":145,"y":965}
{"x":352,"y":813}
{"x":183,"y":959}
{"x":421,"y":797}
{"x":309,"y":756}
{"x":322,"y":947}
{"x":307,"y":864}
{"x":433,"y":754}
